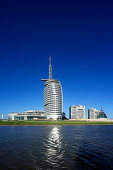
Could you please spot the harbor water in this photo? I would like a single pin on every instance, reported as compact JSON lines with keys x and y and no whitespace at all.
{"x":56,"y":147}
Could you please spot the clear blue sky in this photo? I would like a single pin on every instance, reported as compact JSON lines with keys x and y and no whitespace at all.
{"x":79,"y":37}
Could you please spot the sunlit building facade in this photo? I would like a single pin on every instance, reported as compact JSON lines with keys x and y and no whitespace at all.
{"x":96,"y":114}
{"x":92,"y":113}
{"x":53,"y":97}
{"x":77,"y":112}
{"x":27,"y":115}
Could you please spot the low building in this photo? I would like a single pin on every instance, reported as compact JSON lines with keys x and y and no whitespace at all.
{"x":27,"y":115}
{"x":92,"y":113}
{"x":77,"y":112}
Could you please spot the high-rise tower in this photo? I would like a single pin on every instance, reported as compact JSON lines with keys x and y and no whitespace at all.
{"x":53,"y":98}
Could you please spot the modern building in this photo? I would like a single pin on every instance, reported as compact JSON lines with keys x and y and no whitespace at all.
{"x":92,"y":113}
{"x":95,"y":114}
{"x":27,"y":115}
{"x":53,"y":97}
{"x":77,"y":112}
{"x":101,"y":114}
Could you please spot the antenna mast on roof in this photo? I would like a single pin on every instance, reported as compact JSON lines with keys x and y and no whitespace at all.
{"x":101,"y":108}
{"x":50,"y":68}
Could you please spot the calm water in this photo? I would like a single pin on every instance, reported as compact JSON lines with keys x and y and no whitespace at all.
{"x":56,"y":147}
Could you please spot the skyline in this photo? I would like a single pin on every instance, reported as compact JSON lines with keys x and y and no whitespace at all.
{"x":79,"y":37}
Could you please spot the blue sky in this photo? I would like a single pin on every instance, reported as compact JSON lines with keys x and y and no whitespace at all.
{"x":79,"y":37}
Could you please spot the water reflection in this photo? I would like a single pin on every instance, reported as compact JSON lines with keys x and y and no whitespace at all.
{"x":54,"y":154}
{"x":56,"y":147}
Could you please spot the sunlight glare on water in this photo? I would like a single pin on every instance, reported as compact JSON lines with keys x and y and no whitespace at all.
{"x":53,"y":147}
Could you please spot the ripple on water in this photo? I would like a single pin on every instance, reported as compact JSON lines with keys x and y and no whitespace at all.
{"x":56,"y":147}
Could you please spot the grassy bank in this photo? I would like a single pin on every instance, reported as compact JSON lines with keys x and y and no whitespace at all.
{"x":31,"y":123}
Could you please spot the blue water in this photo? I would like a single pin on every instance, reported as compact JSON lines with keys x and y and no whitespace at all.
{"x":56,"y":147}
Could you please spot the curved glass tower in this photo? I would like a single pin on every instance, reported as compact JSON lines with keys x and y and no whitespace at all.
{"x":53,"y":98}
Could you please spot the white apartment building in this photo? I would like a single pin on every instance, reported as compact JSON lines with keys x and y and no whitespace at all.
{"x":77,"y":112}
{"x":92,"y":113}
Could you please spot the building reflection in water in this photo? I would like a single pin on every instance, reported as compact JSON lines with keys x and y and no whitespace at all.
{"x":54,"y":153}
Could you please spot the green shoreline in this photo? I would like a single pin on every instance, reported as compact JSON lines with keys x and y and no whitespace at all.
{"x":43,"y":123}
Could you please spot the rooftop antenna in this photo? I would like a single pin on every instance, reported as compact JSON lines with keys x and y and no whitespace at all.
{"x":50,"y":68}
{"x":101,"y":108}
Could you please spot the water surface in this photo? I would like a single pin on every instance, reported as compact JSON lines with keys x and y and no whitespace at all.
{"x":56,"y":147}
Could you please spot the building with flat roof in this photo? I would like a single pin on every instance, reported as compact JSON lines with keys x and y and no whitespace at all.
{"x":92,"y":113}
{"x":77,"y":112}
{"x":53,"y":97}
{"x":27,"y":115}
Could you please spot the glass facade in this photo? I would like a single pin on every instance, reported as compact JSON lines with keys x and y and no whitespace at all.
{"x":53,"y":99}
{"x":95,"y":114}
{"x":28,"y":115}
{"x":88,"y":113}
{"x":101,"y":115}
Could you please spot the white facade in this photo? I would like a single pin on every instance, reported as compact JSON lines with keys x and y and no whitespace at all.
{"x":27,"y":115}
{"x":77,"y":112}
{"x":92,"y":113}
{"x":11,"y":116}
{"x":53,"y":99}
